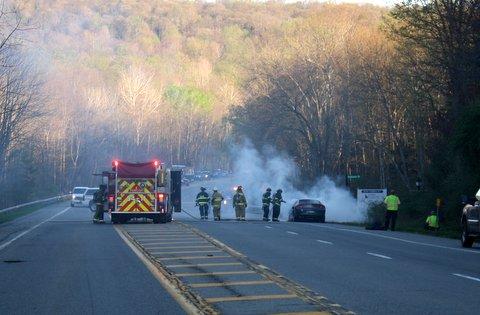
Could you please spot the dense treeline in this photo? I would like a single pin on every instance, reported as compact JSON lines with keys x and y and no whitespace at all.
{"x":393,"y":99}
{"x":388,"y":94}
{"x":132,"y":80}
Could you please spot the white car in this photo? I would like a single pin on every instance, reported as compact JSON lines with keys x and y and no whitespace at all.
{"x":88,"y":200}
{"x":78,"y":196}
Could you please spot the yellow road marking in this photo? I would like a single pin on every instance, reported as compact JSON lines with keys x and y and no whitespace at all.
{"x":227,"y":284}
{"x":173,"y":243}
{"x":204,"y":265}
{"x":156,"y":233}
{"x":153,"y":233}
{"x":219,"y":273}
{"x":304,"y":313}
{"x":186,"y":252}
{"x":161,"y":238}
{"x":190,"y":257}
{"x":171,"y":289}
{"x":179,"y":247}
{"x":162,"y":234}
{"x":185,"y":241}
{"x":165,"y":235}
{"x":251,"y":298}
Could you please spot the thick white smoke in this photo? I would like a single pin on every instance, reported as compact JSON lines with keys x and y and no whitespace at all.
{"x":256,"y":171}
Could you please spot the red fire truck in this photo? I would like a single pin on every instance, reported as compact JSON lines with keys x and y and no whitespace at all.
{"x":143,"y":190}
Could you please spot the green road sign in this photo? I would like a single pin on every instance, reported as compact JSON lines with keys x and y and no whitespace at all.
{"x":353,"y":176}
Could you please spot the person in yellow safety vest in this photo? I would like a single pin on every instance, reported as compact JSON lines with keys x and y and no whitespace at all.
{"x":216,"y":202}
{"x":391,"y":202}
{"x":202,"y":202}
{"x":239,"y":203}
{"x":431,"y":223}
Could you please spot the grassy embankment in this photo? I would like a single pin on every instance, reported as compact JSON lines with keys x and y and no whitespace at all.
{"x":413,"y":212}
{"x":14,"y":214}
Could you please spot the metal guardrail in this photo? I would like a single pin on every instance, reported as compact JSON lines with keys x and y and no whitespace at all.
{"x":57,"y":198}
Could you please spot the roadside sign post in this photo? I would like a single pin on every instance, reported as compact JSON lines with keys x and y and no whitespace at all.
{"x":366,"y":197}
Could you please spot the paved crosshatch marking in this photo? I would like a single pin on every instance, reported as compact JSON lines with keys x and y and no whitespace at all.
{"x":216,"y":278}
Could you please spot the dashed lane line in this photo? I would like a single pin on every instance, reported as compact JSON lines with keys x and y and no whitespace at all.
{"x":466,"y":277}
{"x":395,"y":238}
{"x":268,"y":227}
{"x":267,"y":274}
{"x":229,"y":284}
{"x":325,"y":242}
{"x":251,"y":298}
{"x":170,"y":264}
{"x":379,"y":255}
{"x":293,"y":233}
{"x":4,"y":245}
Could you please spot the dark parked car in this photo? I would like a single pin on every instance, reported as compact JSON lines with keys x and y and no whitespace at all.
{"x":307,"y":209}
{"x":470,"y":224}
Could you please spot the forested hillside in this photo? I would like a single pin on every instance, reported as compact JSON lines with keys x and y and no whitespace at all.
{"x":390,"y":95}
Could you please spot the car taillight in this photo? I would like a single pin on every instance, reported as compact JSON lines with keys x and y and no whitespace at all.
{"x":161,"y":197}
{"x":110,"y":198}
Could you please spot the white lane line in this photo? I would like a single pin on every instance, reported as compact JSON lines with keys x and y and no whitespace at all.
{"x":268,"y":227}
{"x":396,"y":239}
{"x":466,"y":277}
{"x":293,"y":233}
{"x":4,"y":245}
{"x":380,"y":256}
{"x":324,"y":242}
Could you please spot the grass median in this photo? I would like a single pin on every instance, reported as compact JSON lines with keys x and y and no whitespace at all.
{"x":20,"y":212}
{"x":410,"y":221}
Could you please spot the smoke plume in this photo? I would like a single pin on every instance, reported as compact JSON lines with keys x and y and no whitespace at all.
{"x":256,"y":171}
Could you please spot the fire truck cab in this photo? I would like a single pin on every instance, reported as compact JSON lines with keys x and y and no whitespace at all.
{"x":143,"y":190}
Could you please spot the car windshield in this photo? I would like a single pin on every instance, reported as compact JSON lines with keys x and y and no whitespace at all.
{"x":79,"y":190}
{"x":91,"y":191}
{"x":309,"y":202}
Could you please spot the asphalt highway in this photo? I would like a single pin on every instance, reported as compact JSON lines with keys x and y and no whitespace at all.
{"x":60,"y":263}
{"x":56,"y":261}
{"x":369,"y":272}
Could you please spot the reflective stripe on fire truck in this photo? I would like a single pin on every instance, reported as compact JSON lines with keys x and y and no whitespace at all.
{"x":136,"y":195}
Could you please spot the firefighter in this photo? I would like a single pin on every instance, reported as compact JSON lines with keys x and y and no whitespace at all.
{"x":202,"y":202}
{"x":391,"y":202}
{"x":99,"y":197}
{"x":239,"y":203}
{"x":277,"y":202}
{"x":266,"y":201}
{"x":216,"y":202}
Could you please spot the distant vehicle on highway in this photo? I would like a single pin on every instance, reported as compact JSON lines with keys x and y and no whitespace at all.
{"x":308,"y":210}
{"x":471,"y":223}
{"x":203,"y":175}
{"x":78,"y":196}
{"x":88,"y":200}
